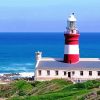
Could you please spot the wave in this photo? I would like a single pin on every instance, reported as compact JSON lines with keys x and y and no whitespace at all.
{"x":17,"y":67}
{"x":22,"y":74}
{"x":26,"y":74}
{"x":22,"y":64}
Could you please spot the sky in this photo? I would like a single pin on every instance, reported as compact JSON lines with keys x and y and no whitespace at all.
{"x":48,"y":15}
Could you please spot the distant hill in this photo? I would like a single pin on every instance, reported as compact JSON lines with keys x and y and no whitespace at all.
{"x":57,"y":89}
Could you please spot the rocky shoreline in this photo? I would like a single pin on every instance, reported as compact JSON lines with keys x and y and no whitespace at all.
{"x":8,"y":77}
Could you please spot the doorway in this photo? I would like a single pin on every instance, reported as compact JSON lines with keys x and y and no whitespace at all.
{"x":69,"y":74}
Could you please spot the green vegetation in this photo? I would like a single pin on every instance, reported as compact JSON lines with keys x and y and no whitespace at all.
{"x":57,"y":89}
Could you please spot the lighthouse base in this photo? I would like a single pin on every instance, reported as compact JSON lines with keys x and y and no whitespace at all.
{"x":71,"y":58}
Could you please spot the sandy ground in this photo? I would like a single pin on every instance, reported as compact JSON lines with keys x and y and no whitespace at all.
{"x":3,"y":82}
{"x":2,"y":99}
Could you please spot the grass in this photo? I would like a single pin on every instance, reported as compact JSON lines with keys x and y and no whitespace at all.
{"x":57,"y":89}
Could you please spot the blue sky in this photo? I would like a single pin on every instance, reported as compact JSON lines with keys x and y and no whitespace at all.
{"x":48,"y":15}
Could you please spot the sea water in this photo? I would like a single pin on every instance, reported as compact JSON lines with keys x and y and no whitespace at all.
{"x":17,"y":50}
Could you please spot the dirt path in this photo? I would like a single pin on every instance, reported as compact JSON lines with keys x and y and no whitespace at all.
{"x":2,"y":99}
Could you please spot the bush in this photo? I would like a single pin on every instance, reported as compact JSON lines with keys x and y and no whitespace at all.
{"x":6,"y":90}
{"x":79,"y":86}
{"x":61,"y":82}
{"x":98,"y":92}
{"x":35,"y":83}
{"x":92,"y":84}
{"x":23,"y":87}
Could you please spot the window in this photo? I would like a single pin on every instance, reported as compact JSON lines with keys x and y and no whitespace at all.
{"x":48,"y":72}
{"x":98,"y":73}
{"x":81,"y":73}
{"x":56,"y":72}
{"x":73,"y":72}
{"x":39,"y":72}
{"x":90,"y":73}
{"x":65,"y":73}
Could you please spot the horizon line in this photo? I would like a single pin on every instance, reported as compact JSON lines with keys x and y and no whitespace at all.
{"x":46,"y":32}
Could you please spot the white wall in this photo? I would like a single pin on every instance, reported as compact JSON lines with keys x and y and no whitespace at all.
{"x":76,"y":76}
{"x":52,"y":74}
{"x":86,"y":74}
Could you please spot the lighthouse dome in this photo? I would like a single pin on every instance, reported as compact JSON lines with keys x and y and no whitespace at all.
{"x":72,"y":17}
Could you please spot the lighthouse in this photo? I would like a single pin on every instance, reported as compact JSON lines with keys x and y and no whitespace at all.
{"x":71,"y":49}
{"x":71,"y":66}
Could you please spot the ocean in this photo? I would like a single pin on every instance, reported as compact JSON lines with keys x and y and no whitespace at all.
{"x":17,"y":50}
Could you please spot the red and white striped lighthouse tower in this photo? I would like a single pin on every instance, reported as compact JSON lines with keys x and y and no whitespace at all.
{"x":71,"y":51}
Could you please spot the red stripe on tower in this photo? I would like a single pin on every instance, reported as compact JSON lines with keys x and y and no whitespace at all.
{"x":71,"y":52}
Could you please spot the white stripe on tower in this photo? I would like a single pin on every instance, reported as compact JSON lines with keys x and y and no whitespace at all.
{"x":71,"y":49}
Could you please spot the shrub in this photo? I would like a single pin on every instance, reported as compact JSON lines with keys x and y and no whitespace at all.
{"x":92,"y":84}
{"x":35,"y":83}
{"x":6,"y":90}
{"x":23,"y":87}
{"x":79,"y":86}
{"x":98,"y":92}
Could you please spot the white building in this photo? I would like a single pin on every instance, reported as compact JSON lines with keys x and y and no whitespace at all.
{"x":71,"y":67}
{"x":51,"y":68}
